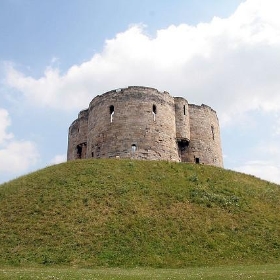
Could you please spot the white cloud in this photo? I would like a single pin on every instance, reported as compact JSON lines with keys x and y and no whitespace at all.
{"x":276,"y":126}
{"x":16,"y":156}
{"x":264,"y":161}
{"x":58,"y":159}
{"x":231,"y":64}
{"x":4,"y":122}
{"x":263,"y":169}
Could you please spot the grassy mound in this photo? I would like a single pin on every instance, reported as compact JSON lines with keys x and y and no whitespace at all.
{"x":138,"y":213}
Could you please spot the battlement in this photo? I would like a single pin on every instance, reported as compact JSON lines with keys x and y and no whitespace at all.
{"x":83,"y":114}
{"x":143,"y":123}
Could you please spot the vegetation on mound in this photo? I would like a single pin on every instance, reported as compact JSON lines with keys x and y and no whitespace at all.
{"x":138,"y":213}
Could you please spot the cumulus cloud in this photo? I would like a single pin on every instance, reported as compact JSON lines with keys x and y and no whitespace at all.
{"x":266,"y":170}
{"x":16,"y":156}
{"x":232,"y":63}
{"x":276,"y":126}
{"x":264,"y":161}
{"x":4,"y":122}
{"x":58,"y":159}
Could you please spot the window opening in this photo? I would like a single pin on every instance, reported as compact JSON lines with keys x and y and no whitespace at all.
{"x":182,"y":147}
{"x":112,"y":112}
{"x":197,"y":160}
{"x":79,"y":151}
{"x":212,"y":130}
{"x":133,"y":148}
{"x":154,"y":111}
{"x":184,"y":109}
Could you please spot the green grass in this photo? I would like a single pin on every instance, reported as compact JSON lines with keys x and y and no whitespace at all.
{"x":123,"y":213}
{"x":261,"y":272}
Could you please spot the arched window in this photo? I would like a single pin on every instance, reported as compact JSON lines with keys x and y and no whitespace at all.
{"x":154,"y":111}
{"x":112,"y":112}
{"x":133,"y":148}
{"x":81,"y":150}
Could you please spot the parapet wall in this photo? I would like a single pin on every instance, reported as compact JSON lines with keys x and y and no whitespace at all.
{"x":143,"y":123}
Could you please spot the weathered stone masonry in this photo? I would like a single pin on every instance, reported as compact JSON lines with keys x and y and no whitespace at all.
{"x":143,"y":123}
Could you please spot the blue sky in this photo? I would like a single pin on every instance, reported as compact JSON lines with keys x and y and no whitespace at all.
{"x":55,"y":56}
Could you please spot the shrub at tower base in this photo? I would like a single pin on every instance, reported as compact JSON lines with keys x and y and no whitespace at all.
{"x":125,"y":213}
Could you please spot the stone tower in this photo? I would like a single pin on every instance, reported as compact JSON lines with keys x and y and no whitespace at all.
{"x":143,"y":123}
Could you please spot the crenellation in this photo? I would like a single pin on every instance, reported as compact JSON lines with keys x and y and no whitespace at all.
{"x":144,"y":123}
{"x":83,"y":114}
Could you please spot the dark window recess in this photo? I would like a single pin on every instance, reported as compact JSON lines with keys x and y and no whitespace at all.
{"x":92,"y":154}
{"x":112,"y":112}
{"x":154,"y":109}
{"x":182,"y":145}
{"x":79,"y":151}
{"x":182,"y":148}
{"x":213,"y":132}
{"x":112,"y":109}
{"x":184,"y":109}
{"x":197,"y":160}
{"x":133,"y":148}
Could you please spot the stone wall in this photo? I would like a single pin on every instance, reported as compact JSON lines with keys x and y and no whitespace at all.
{"x":143,"y":123}
{"x":182,"y":119}
{"x":205,"y":143}
{"x":77,"y":139}
{"x":135,"y":122}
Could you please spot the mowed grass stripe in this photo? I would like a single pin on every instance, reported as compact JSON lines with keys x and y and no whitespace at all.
{"x":260,"y":272}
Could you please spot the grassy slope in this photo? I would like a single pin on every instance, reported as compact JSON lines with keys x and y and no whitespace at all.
{"x":138,"y":213}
